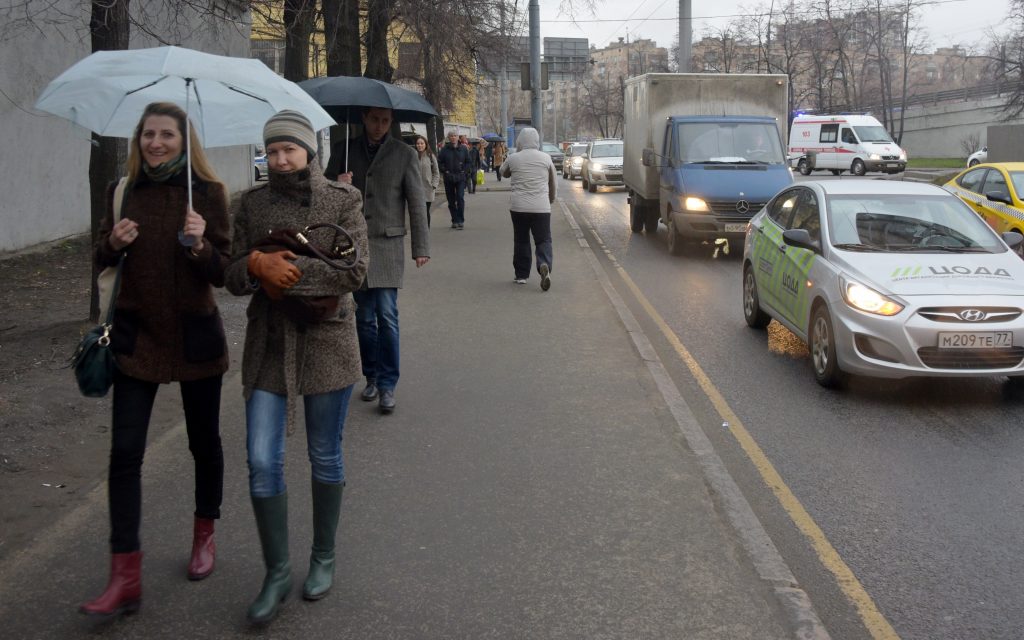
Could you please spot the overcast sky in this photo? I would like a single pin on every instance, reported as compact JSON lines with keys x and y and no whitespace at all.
{"x":946,"y":21}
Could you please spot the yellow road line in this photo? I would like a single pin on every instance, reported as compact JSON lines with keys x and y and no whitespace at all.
{"x":873,"y":619}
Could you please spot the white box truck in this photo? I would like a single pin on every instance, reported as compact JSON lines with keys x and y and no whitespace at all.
{"x":703,"y":152}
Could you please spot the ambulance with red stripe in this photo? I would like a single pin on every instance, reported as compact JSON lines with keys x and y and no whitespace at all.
{"x":854,"y":143}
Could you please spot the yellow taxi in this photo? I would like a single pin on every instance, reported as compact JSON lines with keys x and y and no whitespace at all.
{"x":994,"y":191}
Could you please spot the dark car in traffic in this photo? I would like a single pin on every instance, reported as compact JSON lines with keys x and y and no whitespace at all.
{"x":555,"y":152}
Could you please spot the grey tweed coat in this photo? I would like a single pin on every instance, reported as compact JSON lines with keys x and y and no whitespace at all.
{"x":280,"y":357}
{"x":390,"y":184}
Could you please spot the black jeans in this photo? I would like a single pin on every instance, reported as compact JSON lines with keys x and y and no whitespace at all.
{"x":133,"y":406}
{"x":523,"y":224}
{"x":454,"y":191}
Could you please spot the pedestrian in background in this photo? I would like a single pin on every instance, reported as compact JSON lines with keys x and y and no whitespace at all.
{"x":474,"y":164}
{"x":498,"y":157}
{"x":533,"y":191}
{"x":452,"y":160}
{"x":386,"y":171}
{"x":166,"y":329}
{"x":283,"y":360}
{"x":429,"y":171}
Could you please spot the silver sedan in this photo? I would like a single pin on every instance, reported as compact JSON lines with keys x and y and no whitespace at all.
{"x":887,"y":279}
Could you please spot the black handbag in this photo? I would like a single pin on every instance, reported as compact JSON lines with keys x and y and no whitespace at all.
{"x":93,"y":362}
{"x":309,"y":310}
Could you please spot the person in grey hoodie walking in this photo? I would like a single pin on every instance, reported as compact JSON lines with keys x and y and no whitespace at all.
{"x":533,"y":191}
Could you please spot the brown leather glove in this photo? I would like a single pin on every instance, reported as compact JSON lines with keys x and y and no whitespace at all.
{"x":274,"y":271}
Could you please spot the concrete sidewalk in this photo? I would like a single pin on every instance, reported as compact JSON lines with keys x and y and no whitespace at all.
{"x":531,"y":484}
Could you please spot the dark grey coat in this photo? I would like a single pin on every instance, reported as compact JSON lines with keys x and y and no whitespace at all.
{"x":390,"y":184}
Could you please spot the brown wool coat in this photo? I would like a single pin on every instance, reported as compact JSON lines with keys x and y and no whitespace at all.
{"x":279,"y":357}
{"x":166,"y":324}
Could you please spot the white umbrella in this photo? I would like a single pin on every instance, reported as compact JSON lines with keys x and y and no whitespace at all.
{"x":228,"y":99}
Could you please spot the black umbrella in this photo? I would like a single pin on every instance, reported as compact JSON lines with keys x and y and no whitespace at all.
{"x":493,"y":137}
{"x":344,"y":98}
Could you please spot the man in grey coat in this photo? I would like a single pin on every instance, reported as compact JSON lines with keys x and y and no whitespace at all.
{"x":386,"y":171}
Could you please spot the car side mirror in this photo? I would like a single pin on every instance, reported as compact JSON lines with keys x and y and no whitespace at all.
{"x":801,"y":239}
{"x":1013,"y":239}
{"x":999,"y":196}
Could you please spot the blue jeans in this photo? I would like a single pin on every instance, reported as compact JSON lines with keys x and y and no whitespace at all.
{"x":377,"y":325}
{"x":265,"y":434}
{"x":455,"y":192}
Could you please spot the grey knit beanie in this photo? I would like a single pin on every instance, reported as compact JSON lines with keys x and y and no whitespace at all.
{"x":290,"y":126}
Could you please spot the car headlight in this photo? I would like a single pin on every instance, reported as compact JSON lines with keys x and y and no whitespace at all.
{"x":903,"y":155}
{"x":577,"y":161}
{"x":864,"y":298}
{"x":597,"y":166}
{"x":695,"y":204}
{"x":875,"y":156}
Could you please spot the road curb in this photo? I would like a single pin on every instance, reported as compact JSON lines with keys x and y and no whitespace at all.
{"x":768,"y":562}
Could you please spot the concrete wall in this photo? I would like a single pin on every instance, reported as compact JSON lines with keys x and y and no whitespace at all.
{"x":936,"y":131}
{"x":1006,"y":143}
{"x":45,"y":166}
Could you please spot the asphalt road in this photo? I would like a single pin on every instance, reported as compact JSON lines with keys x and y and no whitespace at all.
{"x":916,"y":485}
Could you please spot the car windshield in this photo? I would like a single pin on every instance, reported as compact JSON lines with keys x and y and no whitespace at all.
{"x":550,"y":148}
{"x":908,"y":223}
{"x":872,"y":134}
{"x":731,"y":143}
{"x":1017,"y":177}
{"x":577,"y":149}
{"x":607,"y":150}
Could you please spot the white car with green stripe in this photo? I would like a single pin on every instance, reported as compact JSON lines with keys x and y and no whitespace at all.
{"x":887,"y":279}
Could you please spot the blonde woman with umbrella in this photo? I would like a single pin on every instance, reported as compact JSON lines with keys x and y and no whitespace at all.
{"x":166,"y":329}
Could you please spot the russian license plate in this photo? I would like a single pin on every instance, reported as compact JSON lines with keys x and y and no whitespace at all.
{"x":975,"y":340}
{"x":735,"y":227}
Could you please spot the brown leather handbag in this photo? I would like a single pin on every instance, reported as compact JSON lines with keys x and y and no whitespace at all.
{"x":344,"y":255}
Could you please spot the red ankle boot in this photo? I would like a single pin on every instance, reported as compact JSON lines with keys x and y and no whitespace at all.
{"x":124,"y":590}
{"x":203,"y":549}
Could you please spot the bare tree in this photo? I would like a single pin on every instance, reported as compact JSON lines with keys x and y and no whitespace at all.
{"x":380,"y":14}
{"x":298,"y":18}
{"x":341,"y":37}
{"x":840,"y":29}
{"x":109,"y":29}
{"x":911,"y":40}
{"x":601,"y":106}
{"x":1008,"y":59}
{"x":457,"y":41}
{"x":721,"y":50}
{"x":970,"y":143}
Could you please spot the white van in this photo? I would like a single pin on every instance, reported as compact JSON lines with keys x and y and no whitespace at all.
{"x":854,"y":143}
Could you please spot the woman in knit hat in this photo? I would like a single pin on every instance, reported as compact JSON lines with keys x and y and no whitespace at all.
{"x":166,"y":329}
{"x":284,"y":360}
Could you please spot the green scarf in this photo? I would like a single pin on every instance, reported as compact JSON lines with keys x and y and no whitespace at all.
{"x":165,"y":170}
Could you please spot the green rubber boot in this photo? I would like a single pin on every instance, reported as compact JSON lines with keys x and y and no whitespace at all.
{"x":272,"y":524}
{"x":326,"y":509}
